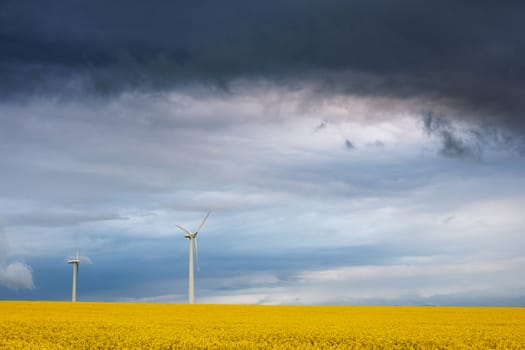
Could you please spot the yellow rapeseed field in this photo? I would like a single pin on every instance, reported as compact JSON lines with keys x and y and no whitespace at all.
{"x":61,"y":325}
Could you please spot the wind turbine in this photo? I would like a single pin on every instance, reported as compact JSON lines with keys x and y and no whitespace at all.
{"x":75,"y":261}
{"x":192,"y":236}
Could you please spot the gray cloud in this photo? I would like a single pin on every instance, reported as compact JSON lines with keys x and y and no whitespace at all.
{"x":452,"y":143}
{"x":321,"y":126}
{"x":468,"y":56}
{"x":349,"y":144}
{"x":57,"y":219}
{"x":453,"y":146}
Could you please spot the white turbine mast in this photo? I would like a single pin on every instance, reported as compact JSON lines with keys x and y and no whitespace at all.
{"x":75,"y":261}
{"x":192,"y":236}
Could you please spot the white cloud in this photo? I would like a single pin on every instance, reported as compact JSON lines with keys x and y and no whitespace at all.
{"x":17,"y":275}
{"x":374,"y":272}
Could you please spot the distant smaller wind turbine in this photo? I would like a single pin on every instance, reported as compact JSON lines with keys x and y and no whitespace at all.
{"x":192,"y":236}
{"x":75,"y":261}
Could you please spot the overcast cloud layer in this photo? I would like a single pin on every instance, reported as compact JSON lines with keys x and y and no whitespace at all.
{"x":362,"y":152}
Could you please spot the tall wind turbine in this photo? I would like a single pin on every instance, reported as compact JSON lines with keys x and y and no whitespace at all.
{"x":192,"y":236}
{"x":75,"y":261}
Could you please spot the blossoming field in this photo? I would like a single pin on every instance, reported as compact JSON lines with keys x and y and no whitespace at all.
{"x":64,"y":325}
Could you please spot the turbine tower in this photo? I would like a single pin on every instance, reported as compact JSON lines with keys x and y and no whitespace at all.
{"x":192,"y":236}
{"x":75,"y":261}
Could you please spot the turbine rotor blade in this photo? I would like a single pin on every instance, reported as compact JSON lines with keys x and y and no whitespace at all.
{"x":196,"y":251}
{"x":184,"y":229}
{"x":203,"y":221}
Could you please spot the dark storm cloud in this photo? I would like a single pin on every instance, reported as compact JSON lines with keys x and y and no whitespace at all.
{"x":469,"y":55}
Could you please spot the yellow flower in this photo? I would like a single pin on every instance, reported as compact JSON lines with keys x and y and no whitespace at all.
{"x":58,"y":325}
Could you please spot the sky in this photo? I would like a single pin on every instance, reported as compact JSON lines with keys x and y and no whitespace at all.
{"x":350,"y":152}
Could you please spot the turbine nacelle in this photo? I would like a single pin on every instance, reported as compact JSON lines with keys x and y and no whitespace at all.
{"x":75,"y":259}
